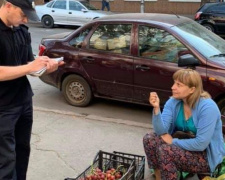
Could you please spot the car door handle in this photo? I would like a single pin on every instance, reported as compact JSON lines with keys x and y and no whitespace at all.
{"x":70,"y":12}
{"x":142,"y":67}
{"x":53,"y":10}
{"x":88,"y":59}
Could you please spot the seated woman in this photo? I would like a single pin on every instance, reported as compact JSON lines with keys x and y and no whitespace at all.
{"x":189,"y":109}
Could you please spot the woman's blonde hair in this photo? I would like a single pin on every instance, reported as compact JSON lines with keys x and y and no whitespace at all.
{"x":191,"y":78}
{"x":2,"y":2}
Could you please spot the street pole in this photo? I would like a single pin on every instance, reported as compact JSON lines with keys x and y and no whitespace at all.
{"x":142,"y":6}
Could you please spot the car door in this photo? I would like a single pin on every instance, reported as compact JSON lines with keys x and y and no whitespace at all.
{"x":76,"y":13}
{"x":155,"y":63}
{"x":59,"y":11}
{"x":107,"y":61}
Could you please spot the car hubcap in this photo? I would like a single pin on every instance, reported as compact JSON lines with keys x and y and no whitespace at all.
{"x":47,"y":22}
{"x":76,"y":91}
{"x":209,"y":28}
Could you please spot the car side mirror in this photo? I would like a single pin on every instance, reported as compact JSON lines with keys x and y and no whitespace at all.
{"x":84,"y":10}
{"x":188,"y":60}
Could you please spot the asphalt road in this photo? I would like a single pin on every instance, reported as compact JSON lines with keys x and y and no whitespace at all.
{"x":49,"y":97}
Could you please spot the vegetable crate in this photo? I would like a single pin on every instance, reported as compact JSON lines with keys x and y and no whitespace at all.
{"x":105,"y":161}
{"x":139,"y":162}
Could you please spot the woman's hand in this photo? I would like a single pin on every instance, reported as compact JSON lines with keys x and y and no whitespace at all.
{"x":154,"y":101}
{"x":167,"y":138}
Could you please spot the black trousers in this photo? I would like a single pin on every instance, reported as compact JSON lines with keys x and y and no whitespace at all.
{"x":15,"y":134}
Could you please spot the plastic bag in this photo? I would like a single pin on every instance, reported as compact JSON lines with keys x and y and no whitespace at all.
{"x":221,"y":177}
{"x":220,"y":169}
{"x":219,"y":172}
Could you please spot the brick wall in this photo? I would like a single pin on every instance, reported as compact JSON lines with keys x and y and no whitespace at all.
{"x":39,"y":2}
{"x":159,"y":6}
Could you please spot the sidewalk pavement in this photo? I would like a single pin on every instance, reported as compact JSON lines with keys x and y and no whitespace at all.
{"x":64,"y":144}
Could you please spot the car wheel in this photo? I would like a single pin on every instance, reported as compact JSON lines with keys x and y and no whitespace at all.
{"x":76,"y":90}
{"x":221,"y":105}
{"x":209,"y":27}
{"x":47,"y":22}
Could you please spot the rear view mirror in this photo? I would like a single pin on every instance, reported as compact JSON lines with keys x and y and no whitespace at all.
{"x":187,"y":60}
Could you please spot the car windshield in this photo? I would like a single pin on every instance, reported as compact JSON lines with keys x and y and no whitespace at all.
{"x":207,"y":43}
{"x":88,"y":6}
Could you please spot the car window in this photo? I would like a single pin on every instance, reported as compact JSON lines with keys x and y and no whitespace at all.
{"x":60,"y":5}
{"x":78,"y":39}
{"x":112,"y":37}
{"x":158,"y":44}
{"x":217,"y":8}
{"x":204,"y":41}
{"x":205,"y":7}
{"x":75,"y":6}
{"x":50,"y":4}
{"x":210,"y":9}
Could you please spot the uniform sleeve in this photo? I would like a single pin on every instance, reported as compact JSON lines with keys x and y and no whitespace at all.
{"x":30,"y":51}
{"x":30,"y":55}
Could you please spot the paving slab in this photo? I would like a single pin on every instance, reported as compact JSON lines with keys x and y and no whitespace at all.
{"x":64,"y":144}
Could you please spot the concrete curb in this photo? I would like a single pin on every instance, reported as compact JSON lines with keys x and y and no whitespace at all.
{"x":96,"y":118}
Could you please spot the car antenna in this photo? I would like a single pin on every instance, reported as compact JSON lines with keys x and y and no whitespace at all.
{"x":175,"y":14}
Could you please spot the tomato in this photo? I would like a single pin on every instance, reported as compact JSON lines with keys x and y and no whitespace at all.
{"x":118,"y":175}
{"x":108,"y":175}
{"x":112,"y":177}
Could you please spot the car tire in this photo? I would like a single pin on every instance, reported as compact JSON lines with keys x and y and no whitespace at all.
{"x":221,"y":105}
{"x":47,"y":22}
{"x":209,"y":27}
{"x":76,"y":91}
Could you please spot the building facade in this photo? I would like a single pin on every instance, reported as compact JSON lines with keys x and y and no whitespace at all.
{"x":179,"y":7}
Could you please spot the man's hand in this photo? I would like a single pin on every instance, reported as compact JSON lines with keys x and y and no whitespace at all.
{"x":167,"y":138}
{"x":39,"y":63}
{"x":53,"y":65}
{"x":154,"y":101}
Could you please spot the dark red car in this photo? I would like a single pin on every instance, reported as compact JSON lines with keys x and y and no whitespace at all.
{"x":126,"y":56}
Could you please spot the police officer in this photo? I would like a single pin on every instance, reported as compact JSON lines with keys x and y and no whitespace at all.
{"x":17,"y":61}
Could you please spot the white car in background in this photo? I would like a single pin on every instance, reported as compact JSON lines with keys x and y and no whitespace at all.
{"x":67,"y":12}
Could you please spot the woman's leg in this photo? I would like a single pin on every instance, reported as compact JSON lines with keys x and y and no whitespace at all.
{"x":151,"y":143}
{"x":157,"y":174}
{"x":173,"y":159}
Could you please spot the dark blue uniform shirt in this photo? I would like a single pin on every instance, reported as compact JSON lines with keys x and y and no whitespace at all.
{"x":15,"y":50}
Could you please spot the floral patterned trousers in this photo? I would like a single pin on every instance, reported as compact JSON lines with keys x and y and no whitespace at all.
{"x":170,"y":159}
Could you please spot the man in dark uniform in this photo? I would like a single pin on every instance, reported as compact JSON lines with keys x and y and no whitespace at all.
{"x":17,"y":61}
